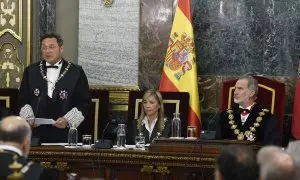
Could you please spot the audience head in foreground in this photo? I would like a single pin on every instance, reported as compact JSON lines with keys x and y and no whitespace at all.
{"x":236,"y":162}
{"x":275,"y":164}
{"x":294,"y":150}
{"x":16,"y":132}
{"x":15,"y":135}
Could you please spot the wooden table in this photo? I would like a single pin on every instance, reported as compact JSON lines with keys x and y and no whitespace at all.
{"x":165,"y":159}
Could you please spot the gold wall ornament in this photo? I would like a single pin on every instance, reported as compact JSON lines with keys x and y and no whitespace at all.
{"x":147,"y":169}
{"x":161,"y":170}
{"x":108,"y":3}
{"x":61,"y":166}
{"x":11,"y":18}
{"x":11,"y":68}
{"x":46,"y":164}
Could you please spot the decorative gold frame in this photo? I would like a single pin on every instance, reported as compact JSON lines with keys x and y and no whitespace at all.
{"x":7,"y":100}
{"x":170,"y":101}
{"x":28,"y":32}
{"x":114,"y":88}
{"x":17,"y":59}
{"x":19,"y":37}
{"x":13,"y":33}
{"x":96,"y":120}
{"x":231,"y":89}
{"x":118,"y":95}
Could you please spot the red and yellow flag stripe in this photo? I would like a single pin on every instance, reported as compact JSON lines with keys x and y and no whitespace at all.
{"x":180,"y":71}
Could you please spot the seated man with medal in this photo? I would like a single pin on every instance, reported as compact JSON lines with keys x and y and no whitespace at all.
{"x":248,"y":121}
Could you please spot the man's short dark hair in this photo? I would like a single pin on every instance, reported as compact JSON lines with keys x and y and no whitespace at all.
{"x":237,"y":162}
{"x":53,"y":35}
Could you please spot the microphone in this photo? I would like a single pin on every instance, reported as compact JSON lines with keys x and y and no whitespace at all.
{"x":209,"y":134}
{"x":103,"y":132}
{"x":103,"y":143}
{"x":35,"y":141}
{"x":36,"y":108}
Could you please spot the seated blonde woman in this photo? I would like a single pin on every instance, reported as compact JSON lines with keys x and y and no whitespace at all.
{"x":152,"y":122}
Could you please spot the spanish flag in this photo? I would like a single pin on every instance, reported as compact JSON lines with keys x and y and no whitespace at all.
{"x":296,"y":116}
{"x":180,"y":71}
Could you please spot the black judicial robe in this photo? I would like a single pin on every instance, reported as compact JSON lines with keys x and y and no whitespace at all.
{"x":6,"y":158}
{"x":70,"y":91}
{"x":166,"y":132}
{"x":268,"y":131}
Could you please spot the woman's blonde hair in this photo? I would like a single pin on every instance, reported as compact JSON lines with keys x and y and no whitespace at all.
{"x":157,"y":95}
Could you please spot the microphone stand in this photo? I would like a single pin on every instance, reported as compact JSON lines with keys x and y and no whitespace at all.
{"x":102,"y":143}
{"x":35,"y":141}
{"x":209,"y":134}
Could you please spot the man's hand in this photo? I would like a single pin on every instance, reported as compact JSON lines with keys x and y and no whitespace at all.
{"x":61,"y":123}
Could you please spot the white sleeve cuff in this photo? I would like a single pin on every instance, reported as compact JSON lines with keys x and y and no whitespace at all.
{"x":26,"y":112}
{"x":74,"y":116}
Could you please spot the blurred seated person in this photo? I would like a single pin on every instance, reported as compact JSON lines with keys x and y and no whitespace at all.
{"x":276,"y":164}
{"x":236,"y":162}
{"x":247,"y":121}
{"x":4,"y":112}
{"x":294,"y":150}
{"x":15,"y":140}
{"x":152,"y":122}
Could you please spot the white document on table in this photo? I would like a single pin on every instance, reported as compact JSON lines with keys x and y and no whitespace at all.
{"x":40,"y":121}
{"x":54,"y":144}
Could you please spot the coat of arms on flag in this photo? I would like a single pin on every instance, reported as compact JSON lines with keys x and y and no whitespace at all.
{"x":180,"y":55}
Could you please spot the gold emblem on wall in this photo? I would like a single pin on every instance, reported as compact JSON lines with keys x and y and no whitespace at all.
{"x":11,"y":18}
{"x":11,"y":68}
{"x":108,"y":3}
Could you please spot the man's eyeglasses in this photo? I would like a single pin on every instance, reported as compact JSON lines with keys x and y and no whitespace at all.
{"x":51,"y":48}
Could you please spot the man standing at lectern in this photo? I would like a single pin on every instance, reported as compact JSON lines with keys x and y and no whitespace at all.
{"x":54,"y":88}
{"x":247,"y":121}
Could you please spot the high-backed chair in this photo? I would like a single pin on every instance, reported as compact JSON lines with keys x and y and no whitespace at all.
{"x":270,"y":96}
{"x":173,"y":102}
{"x":98,"y":115}
{"x":9,"y":99}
